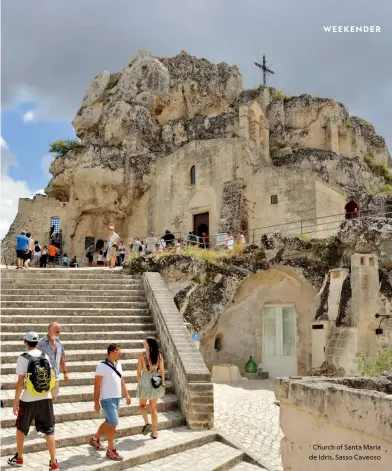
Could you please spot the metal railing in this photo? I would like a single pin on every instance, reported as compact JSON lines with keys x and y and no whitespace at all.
{"x":316,"y":227}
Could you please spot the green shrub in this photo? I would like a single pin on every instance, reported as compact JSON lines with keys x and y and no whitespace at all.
{"x":386,"y":191}
{"x":369,"y":367}
{"x":280,"y":96}
{"x":380,"y":170}
{"x":365,"y":123}
{"x":208,"y":255}
{"x":60,"y":148}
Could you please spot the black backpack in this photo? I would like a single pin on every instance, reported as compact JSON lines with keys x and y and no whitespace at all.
{"x":37,"y":248}
{"x":39,"y":377}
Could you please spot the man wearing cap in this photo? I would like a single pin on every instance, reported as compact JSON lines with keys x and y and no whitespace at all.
{"x":114,"y":240}
{"x":51,"y":345}
{"x":28,"y":407}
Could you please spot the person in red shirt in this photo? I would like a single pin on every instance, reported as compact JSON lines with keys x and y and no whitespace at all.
{"x":52,"y":251}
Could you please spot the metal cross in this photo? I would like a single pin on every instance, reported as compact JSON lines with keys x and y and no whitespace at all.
{"x":265,"y":69}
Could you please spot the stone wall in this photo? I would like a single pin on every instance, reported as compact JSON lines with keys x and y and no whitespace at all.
{"x":329,"y":210}
{"x":188,"y":372}
{"x":34,"y":216}
{"x":345,"y":424}
{"x":243,"y":319}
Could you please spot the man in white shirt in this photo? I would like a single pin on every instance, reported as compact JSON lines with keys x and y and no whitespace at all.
{"x":151,"y":243}
{"x":114,"y":240}
{"x":109,"y":384}
{"x":28,"y":407}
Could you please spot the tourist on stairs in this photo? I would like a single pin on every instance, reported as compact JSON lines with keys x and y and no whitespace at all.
{"x":36,"y":380}
{"x":109,"y":384}
{"x":150,"y":383}
{"x":51,"y":345}
{"x":114,"y":240}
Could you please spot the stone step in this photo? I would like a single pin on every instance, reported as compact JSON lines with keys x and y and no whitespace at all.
{"x":73,"y":304}
{"x":86,"y":270}
{"x":10,"y":315}
{"x":65,"y":282}
{"x":68,"y":412}
{"x":245,"y":466}
{"x":74,"y":366}
{"x":212,"y":456}
{"x":121,"y":336}
{"x":65,"y":274}
{"x":108,"y":297}
{"x":76,"y":393}
{"x":75,"y":379}
{"x":68,"y":292}
{"x":72,"y":345}
{"x":11,"y":357}
{"x":5,"y":285}
{"x":71,"y":434}
{"x":88,"y":326}
{"x":136,"y":450}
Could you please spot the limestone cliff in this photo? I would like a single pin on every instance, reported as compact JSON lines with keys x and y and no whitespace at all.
{"x":155,"y":105}
{"x":142,"y":129}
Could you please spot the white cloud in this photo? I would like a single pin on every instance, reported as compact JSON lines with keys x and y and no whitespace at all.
{"x":11,"y":190}
{"x":46,"y":162}
{"x":7,"y":159}
{"x":29,"y":116}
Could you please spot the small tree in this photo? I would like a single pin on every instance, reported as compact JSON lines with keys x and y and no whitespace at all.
{"x":60,"y":148}
{"x":368,"y":367}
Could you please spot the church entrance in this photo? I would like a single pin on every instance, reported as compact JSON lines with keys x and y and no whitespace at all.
{"x":201,"y":223}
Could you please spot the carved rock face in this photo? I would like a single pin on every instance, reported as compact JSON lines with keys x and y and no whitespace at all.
{"x":146,"y":80}
{"x":128,"y":123}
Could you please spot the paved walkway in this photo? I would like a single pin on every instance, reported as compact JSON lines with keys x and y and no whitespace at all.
{"x":245,"y":411}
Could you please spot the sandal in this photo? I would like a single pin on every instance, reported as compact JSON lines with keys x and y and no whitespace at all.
{"x":152,"y":436}
{"x":146,"y":429}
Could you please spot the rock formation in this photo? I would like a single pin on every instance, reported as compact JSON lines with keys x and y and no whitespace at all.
{"x":158,"y":115}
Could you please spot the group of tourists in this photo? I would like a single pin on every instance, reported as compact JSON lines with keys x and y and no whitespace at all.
{"x":38,"y":387}
{"x":29,"y":250}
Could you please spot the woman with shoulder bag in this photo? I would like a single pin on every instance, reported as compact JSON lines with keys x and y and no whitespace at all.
{"x":150,"y":383}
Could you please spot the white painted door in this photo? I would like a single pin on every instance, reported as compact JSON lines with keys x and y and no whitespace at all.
{"x":279,"y":340}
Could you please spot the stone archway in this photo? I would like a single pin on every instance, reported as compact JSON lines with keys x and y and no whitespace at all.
{"x":240,"y":324}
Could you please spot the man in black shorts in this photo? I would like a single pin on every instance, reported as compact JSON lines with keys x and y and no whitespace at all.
{"x":28,"y":407}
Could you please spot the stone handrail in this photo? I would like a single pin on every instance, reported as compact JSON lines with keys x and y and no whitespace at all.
{"x":190,"y":376}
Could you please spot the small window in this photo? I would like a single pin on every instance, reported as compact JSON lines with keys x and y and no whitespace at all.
{"x":371,"y":261}
{"x":193,"y":175}
{"x":335,"y":274}
{"x":54,"y":225}
{"x":362,"y":260}
{"x":274,"y":199}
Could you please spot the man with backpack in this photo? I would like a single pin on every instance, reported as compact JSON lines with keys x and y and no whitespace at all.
{"x":35,"y":380}
{"x":52,"y":346}
{"x":108,"y":389}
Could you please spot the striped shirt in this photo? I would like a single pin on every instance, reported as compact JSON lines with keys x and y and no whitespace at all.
{"x":54,"y":356}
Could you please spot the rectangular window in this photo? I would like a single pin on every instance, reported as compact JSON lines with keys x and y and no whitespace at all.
{"x":55,"y":224}
{"x":274,"y":199}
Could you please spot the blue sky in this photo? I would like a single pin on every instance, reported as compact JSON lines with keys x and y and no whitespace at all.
{"x":29,"y":143}
{"x":51,"y":53}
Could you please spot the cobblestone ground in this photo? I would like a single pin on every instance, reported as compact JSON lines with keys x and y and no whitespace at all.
{"x":246,"y":412}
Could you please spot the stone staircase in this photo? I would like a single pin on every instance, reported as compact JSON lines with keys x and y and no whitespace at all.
{"x":96,"y":307}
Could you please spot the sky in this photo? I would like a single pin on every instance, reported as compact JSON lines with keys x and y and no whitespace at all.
{"x":52,"y":50}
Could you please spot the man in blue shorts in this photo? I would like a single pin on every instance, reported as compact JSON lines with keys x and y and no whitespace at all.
{"x":22,"y":242}
{"x":109,"y":384}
